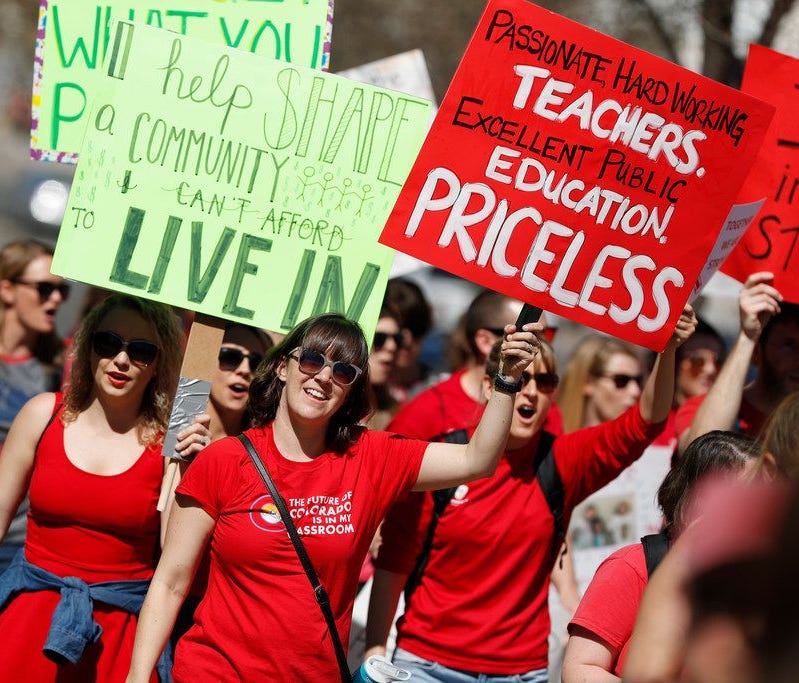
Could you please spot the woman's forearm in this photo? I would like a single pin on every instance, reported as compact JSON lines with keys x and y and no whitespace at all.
{"x":489,"y":439}
{"x":156,"y":620}
{"x":658,"y":393}
{"x":386,"y":589}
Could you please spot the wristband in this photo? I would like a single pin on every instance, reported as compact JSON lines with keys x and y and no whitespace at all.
{"x":507,"y":386}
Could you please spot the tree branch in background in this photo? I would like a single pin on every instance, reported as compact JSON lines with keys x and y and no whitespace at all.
{"x":660,"y":30}
{"x":779,"y":9}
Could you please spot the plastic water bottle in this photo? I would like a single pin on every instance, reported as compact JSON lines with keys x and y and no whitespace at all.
{"x":378,"y":669}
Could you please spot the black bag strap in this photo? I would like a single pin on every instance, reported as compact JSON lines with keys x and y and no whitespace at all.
{"x":546,"y":471}
{"x":655,"y":548}
{"x":322,"y":598}
{"x":548,"y":479}
{"x":441,"y":499}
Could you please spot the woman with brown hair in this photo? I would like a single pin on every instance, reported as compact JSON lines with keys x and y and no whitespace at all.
{"x":259,"y":619}
{"x":30,"y":351}
{"x":92,"y":463}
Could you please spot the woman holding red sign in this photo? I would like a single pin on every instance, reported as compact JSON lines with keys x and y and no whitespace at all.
{"x":491,"y":552}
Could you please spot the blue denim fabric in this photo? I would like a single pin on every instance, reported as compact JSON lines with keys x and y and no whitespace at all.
{"x":425,"y":671}
{"x":72,"y":627}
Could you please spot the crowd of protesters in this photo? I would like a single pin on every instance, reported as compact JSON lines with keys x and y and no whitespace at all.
{"x":455,"y":492}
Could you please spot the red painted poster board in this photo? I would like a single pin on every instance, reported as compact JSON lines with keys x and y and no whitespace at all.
{"x":771,"y":241}
{"x":577,"y":173}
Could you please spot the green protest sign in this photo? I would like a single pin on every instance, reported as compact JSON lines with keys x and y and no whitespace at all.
{"x":74,"y":37}
{"x":236,"y":186}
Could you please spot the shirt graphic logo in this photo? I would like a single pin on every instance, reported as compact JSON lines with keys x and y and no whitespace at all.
{"x":459,"y":497}
{"x":265,"y":515}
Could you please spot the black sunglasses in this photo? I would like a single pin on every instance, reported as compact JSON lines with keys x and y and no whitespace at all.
{"x":230,"y":359}
{"x":312,"y":363}
{"x":380,"y":339}
{"x":45,"y":288}
{"x":108,"y":345}
{"x":621,"y":380}
{"x":545,"y":382}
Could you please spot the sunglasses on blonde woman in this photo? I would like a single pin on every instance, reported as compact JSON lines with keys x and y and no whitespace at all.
{"x":545,"y":382}
{"x":620,"y":380}
{"x":313,"y":362}
{"x":45,"y":288}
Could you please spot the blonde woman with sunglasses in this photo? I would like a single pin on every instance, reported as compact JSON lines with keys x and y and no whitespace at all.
{"x":30,"y":350}
{"x":91,"y":460}
{"x":259,"y":620}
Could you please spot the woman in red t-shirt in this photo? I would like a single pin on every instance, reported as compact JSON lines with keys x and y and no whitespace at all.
{"x":479,"y":609}
{"x":92,"y":464}
{"x":258,"y":619}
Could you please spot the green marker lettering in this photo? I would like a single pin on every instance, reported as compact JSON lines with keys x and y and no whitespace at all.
{"x":120,"y":271}
{"x":298,"y":291}
{"x":200,"y":284}
{"x":240,"y":269}
{"x":173,"y":224}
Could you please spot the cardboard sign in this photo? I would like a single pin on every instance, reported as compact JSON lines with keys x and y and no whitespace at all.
{"x":735,"y":225}
{"x":74,"y":37}
{"x":577,"y":173}
{"x":237,"y":186}
{"x":771,"y":243}
{"x":406,"y":72}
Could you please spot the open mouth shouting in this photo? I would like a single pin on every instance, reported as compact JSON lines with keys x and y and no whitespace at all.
{"x":239,"y":389}
{"x":526,"y":413}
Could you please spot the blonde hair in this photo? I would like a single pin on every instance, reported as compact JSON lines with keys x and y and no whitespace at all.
{"x":781,"y":439}
{"x":588,"y":362}
{"x":15,"y":257}
{"x":157,"y":399}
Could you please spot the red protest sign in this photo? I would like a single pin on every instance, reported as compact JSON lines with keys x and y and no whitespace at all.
{"x":577,"y":173}
{"x":771,"y":241}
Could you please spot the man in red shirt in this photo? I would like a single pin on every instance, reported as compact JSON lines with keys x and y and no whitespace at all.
{"x":769,"y":337}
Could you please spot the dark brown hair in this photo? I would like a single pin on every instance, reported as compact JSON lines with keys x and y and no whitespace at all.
{"x":338,"y":338}
{"x":716,"y":451}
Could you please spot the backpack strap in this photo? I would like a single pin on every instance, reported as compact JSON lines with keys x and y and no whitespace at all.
{"x":548,"y":479}
{"x":441,"y":499}
{"x":546,"y":472}
{"x":655,"y":548}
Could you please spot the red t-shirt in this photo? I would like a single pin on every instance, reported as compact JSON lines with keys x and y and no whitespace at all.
{"x":446,"y":407}
{"x":482,"y":601}
{"x":611,"y":601}
{"x":749,"y":421}
{"x":258,"y":620}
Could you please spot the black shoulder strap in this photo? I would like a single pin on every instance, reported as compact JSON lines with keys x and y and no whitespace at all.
{"x":551,"y":484}
{"x":441,"y":499}
{"x":655,"y":548}
{"x":548,"y":479}
{"x":322,"y":598}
